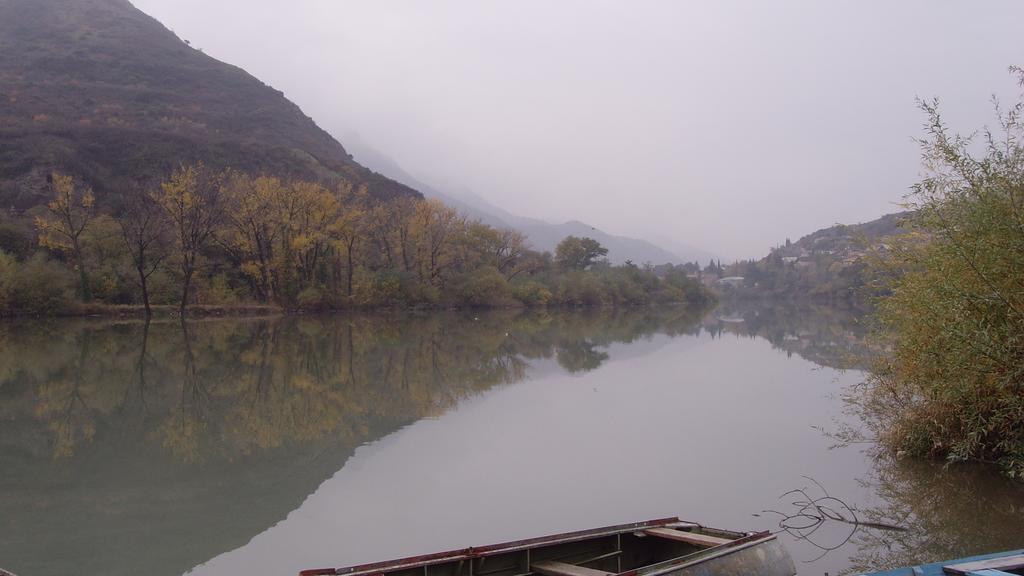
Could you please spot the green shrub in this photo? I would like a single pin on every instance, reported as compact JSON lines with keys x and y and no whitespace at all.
{"x":375,"y":288}
{"x":16,"y":239}
{"x":482,"y":287}
{"x":311,"y":298}
{"x":532,"y":293}
{"x":620,"y":286}
{"x":579,"y":289}
{"x":412,"y":292}
{"x":37,"y":286}
{"x":219,"y":291}
{"x":163,"y":288}
{"x":8,"y":271}
{"x":111,"y":276}
{"x":952,"y":382}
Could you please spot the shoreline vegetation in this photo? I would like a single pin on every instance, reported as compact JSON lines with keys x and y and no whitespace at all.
{"x":224,"y":243}
{"x":258,"y":311}
{"x":951,"y":383}
{"x":164,"y":311}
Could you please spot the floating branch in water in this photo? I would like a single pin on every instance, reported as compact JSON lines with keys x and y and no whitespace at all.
{"x":810,"y":514}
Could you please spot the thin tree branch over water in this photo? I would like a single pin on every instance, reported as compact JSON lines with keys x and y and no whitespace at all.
{"x":809,"y":514}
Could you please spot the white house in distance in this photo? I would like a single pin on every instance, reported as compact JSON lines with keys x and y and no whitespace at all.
{"x":732,"y":281}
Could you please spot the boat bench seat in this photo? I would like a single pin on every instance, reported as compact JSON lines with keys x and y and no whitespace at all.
{"x":555,"y":568}
{"x":693,"y":538}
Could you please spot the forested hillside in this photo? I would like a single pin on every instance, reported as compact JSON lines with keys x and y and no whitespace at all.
{"x":827,"y":265}
{"x":138,"y":171}
{"x":100,"y":91}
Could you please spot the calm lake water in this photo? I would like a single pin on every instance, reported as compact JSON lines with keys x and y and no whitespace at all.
{"x":264,"y":446}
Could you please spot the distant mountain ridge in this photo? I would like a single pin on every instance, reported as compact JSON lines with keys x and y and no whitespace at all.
{"x":543,"y":236}
{"x":830,"y":264}
{"x":100,"y":90}
{"x":846,"y":238}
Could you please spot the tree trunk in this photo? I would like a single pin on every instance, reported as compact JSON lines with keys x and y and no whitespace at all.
{"x":185,"y":286}
{"x":83,"y":278}
{"x":145,"y":291}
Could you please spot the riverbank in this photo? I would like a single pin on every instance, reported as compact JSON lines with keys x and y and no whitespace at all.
{"x":126,"y":311}
{"x":133,"y":311}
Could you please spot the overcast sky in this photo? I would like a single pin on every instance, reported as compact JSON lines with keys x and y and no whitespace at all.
{"x":726,"y":125}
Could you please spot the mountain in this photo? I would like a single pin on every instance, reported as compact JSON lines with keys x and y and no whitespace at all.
{"x":383,"y":164}
{"x":543,"y":236}
{"x":828,"y":265}
{"x":845,"y":240}
{"x":546,"y":236}
{"x":100,"y":90}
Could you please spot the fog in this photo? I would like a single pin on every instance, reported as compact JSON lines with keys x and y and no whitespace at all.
{"x":726,"y":125}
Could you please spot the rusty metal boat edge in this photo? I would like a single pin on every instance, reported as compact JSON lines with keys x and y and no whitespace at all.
{"x":745,"y":553}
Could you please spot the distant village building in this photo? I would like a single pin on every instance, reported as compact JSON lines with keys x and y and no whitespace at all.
{"x":732,"y":281}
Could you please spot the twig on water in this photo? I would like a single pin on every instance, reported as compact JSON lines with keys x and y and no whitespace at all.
{"x":812,"y":513}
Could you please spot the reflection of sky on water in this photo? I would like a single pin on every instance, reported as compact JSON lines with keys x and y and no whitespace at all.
{"x":264,"y":447}
{"x":676,"y":431}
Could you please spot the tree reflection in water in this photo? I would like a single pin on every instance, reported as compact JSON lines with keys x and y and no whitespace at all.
{"x":948,"y":512}
{"x":220,"y":389}
{"x":169,"y":444}
{"x":832,"y":337}
{"x":204,"y":434}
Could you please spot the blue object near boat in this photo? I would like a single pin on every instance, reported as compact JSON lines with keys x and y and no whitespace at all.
{"x":998,"y":564}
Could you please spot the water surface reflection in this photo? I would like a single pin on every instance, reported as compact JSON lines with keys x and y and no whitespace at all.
{"x":131,"y":447}
{"x":262,"y":446}
{"x":949,"y":512}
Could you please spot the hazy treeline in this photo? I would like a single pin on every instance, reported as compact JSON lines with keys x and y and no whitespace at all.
{"x":830,"y":266}
{"x":212,"y":389}
{"x":821,"y":278}
{"x":224,"y":238}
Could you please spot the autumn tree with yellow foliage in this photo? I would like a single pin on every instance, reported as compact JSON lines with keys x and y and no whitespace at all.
{"x":227,"y":238}
{"x":70,"y":212}
{"x":194,"y":201}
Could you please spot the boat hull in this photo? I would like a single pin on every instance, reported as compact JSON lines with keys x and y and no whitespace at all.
{"x":663,"y":547}
{"x":764,"y":557}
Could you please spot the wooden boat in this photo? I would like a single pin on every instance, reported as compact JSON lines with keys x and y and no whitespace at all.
{"x":998,"y":564}
{"x":665,"y":547}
